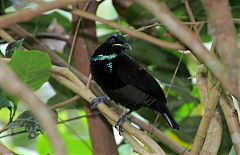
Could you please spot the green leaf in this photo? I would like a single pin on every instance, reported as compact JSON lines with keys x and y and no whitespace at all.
{"x":33,"y":67}
{"x":28,"y":122}
{"x":12,"y":47}
{"x":73,"y":144}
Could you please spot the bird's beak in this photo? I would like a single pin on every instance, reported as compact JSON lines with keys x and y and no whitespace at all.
{"x":125,"y":46}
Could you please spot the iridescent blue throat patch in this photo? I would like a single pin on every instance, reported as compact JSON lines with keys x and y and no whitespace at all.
{"x":105,"y":57}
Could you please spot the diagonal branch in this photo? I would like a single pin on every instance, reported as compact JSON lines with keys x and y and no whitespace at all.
{"x":186,"y":36}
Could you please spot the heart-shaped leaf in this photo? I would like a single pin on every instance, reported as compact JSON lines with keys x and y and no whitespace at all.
{"x":33,"y":67}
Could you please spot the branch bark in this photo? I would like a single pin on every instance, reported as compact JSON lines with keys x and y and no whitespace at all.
{"x":214,"y":136}
{"x":13,"y":86}
{"x":222,"y":28}
{"x":206,"y":83}
{"x":220,"y":70}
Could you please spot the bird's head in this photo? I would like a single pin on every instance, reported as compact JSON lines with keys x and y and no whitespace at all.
{"x":116,"y":43}
{"x":113,"y":45}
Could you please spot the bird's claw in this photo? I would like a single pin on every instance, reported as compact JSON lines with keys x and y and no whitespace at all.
{"x":97,"y":100}
{"x":120,"y":122}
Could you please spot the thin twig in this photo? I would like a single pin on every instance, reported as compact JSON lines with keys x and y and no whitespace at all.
{"x":75,"y":34}
{"x":190,"y":14}
{"x":171,"y":83}
{"x":66,"y":102}
{"x":89,"y":80}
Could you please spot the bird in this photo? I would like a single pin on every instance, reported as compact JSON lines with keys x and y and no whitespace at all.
{"x":125,"y":81}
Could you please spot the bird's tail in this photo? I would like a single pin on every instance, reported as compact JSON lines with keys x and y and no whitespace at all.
{"x":170,"y":120}
{"x":162,"y":108}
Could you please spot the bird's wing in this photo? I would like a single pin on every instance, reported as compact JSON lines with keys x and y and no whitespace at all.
{"x":132,"y":73}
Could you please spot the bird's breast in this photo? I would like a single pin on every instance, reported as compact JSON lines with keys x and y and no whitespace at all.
{"x":104,"y":73}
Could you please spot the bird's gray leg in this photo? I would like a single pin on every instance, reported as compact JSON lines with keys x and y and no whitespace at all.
{"x":120,"y":122}
{"x":97,"y":100}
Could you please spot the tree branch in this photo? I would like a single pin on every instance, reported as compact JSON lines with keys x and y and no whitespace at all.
{"x":222,"y":29}
{"x":214,"y":136}
{"x":210,"y":101}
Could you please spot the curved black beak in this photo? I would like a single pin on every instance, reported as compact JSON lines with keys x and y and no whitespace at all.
{"x":125,"y":46}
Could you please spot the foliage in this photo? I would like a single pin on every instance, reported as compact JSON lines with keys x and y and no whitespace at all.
{"x":26,"y":120}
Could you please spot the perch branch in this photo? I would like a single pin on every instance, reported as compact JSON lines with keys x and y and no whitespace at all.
{"x":131,"y":140}
{"x":13,"y":86}
{"x":88,"y":96}
{"x":160,"y":10}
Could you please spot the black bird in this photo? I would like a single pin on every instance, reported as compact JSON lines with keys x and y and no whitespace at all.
{"x":125,"y":81}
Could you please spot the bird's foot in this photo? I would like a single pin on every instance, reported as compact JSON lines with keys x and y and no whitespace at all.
{"x":97,"y":100}
{"x":120,"y":122}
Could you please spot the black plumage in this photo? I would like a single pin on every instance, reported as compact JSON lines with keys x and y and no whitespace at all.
{"x":125,"y":81}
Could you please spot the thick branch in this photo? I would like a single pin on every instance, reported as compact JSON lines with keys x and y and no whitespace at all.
{"x":186,"y":36}
{"x":214,"y":92}
{"x":223,"y":30}
{"x":214,"y":136}
{"x":12,"y":85}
